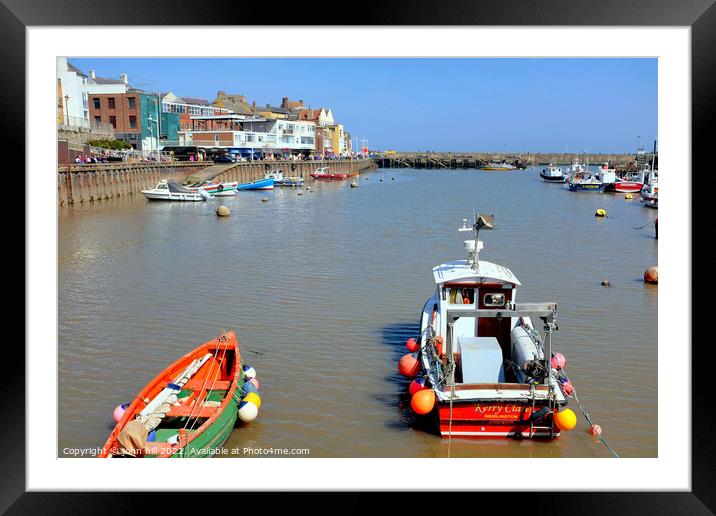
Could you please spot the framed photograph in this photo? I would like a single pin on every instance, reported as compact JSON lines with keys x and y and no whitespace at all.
{"x":314,"y":254}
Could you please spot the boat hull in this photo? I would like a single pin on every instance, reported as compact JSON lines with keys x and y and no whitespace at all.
{"x":492,"y":419}
{"x":177,"y":197}
{"x":330,"y":176}
{"x":628,"y":187}
{"x":261,"y":184}
{"x":552,"y":179}
{"x":216,"y":381}
{"x":587,"y":187}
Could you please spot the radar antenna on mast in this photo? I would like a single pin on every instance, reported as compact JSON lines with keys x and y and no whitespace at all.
{"x":474,"y":246}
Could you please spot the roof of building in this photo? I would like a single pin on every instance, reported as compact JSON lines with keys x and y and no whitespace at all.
{"x":195,"y":101}
{"x":106,"y":80}
{"x":73,"y":68}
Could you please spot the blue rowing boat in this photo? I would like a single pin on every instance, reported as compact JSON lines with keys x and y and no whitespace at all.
{"x":260,"y":184}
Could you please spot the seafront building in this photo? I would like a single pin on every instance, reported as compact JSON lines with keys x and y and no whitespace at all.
{"x":103,"y":107}
{"x":249,"y":135}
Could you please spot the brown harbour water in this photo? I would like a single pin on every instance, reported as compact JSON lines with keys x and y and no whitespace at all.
{"x":328,"y":285}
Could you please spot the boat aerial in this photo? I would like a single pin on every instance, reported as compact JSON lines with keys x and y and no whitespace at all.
{"x":281,"y":180}
{"x":500,"y":167}
{"x":259,"y":184}
{"x":324,"y":173}
{"x":189,"y":409}
{"x":552,"y":174}
{"x":170,"y":190}
{"x":480,"y":358}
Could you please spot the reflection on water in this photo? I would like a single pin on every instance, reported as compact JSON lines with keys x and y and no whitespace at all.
{"x":324,"y":288}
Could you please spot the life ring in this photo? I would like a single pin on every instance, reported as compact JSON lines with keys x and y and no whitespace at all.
{"x":220,"y":188}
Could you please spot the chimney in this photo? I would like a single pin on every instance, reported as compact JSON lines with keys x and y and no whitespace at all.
{"x":123,"y":77}
{"x":92,"y":76}
{"x":253,"y":105}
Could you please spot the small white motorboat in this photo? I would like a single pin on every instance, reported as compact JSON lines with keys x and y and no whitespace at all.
{"x":552,"y":174}
{"x":170,"y":190}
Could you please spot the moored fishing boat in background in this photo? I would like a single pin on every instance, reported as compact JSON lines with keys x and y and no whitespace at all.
{"x":217,"y":189}
{"x":190,"y":408}
{"x":482,"y":367}
{"x":552,"y":174}
{"x":499,"y":167}
{"x":324,"y":173}
{"x":281,"y":180}
{"x":170,"y":190}
{"x":584,"y":182}
{"x":259,"y":184}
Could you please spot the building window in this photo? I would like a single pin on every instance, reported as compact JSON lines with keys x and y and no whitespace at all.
{"x":133,"y":122}
{"x":132,"y":102}
{"x":97,"y":120}
{"x":113,"y":121}
{"x":96,"y":102}
{"x":111,"y":102}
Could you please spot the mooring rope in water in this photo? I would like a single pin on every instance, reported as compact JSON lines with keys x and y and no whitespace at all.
{"x":586,"y":416}
{"x":648,"y":223}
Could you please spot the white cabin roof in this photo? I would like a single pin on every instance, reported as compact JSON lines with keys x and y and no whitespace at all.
{"x":458,"y":270}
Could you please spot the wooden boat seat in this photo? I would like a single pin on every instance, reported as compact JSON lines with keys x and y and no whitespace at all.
{"x":218,"y":385}
{"x":183,"y":411}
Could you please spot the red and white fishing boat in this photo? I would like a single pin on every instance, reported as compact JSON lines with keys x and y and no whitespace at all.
{"x":483,"y":369}
{"x":629,"y":184}
{"x":324,"y":173}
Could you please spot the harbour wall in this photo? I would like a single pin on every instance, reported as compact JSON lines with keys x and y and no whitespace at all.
{"x":450,"y":160}
{"x":92,"y":182}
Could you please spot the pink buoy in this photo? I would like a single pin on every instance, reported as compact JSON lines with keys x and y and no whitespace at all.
{"x":119,"y":411}
{"x":595,"y":430}
{"x":255,"y":382}
{"x":558,"y":361}
{"x":417,"y":385}
{"x":568,"y":388}
{"x":412,"y":345}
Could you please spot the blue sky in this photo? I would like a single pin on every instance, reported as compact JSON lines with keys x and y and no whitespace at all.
{"x":517,"y":105}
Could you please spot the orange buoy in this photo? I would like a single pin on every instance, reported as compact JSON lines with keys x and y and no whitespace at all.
{"x":565,"y":419}
{"x":409,"y":366}
{"x":423,"y":401}
{"x":651,"y":275}
{"x":412,"y":345}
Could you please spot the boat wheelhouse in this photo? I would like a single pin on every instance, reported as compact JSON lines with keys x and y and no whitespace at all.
{"x":482,"y":353}
{"x":552,"y":174}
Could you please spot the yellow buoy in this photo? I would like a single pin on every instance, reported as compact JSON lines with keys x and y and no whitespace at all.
{"x":565,"y":419}
{"x":628,"y":196}
{"x":253,"y":398}
{"x":223,"y":211}
{"x":601,"y":212}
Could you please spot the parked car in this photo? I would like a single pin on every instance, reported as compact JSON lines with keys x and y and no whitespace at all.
{"x":224,"y":158}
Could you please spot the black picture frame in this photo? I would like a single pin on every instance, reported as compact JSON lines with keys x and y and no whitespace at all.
{"x":16,"y":15}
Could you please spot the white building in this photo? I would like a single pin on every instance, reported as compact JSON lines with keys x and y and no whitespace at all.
{"x":250,"y":133}
{"x":103,"y":85}
{"x":73,"y":92}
